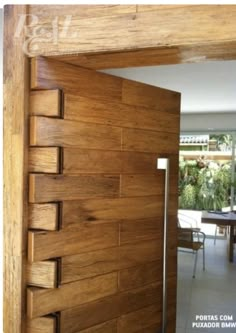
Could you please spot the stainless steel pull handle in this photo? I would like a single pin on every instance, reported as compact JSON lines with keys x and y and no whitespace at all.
{"x":163,"y":164}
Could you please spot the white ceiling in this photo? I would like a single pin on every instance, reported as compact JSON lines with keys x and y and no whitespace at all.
{"x":205,"y":87}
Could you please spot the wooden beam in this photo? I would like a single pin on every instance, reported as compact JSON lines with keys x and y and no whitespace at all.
{"x":15,"y":170}
{"x":46,"y":131}
{"x":85,"y":238}
{"x":42,"y":274}
{"x":44,"y":159}
{"x":45,"y":301}
{"x":45,"y":103}
{"x":49,"y":188}
{"x":44,"y":217}
{"x":168,"y":55}
{"x":141,"y":36}
{"x":42,"y":325}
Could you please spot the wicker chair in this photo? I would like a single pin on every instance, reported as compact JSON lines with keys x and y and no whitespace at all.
{"x":192,"y":239}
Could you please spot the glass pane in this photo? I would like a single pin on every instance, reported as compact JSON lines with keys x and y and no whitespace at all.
{"x":233,"y":189}
{"x":205,"y":174}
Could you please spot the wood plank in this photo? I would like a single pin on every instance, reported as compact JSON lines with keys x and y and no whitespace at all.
{"x":44,"y":301}
{"x":154,"y":329}
{"x":142,"y":184}
{"x":42,"y":274}
{"x":138,"y":298}
{"x":153,"y":57}
{"x":138,"y":230}
{"x":45,"y":103}
{"x":136,"y":254}
{"x":108,"y":327}
{"x":81,"y":317}
{"x":109,"y":210}
{"x":86,"y":237}
{"x":145,"y":95}
{"x":148,"y":8}
{"x":44,"y":216}
{"x":76,"y":160}
{"x":94,"y":313}
{"x":132,"y":116}
{"x":82,"y":11}
{"x":85,"y":265}
{"x":144,"y":57}
{"x":41,"y":325}
{"x":16,"y":91}
{"x":44,"y":159}
{"x":50,"y":74}
{"x":149,"y":141}
{"x":141,"y":275}
{"x":46,"y":188}
{"x":133,"y":185}
{"x":59,"y":132}
{"x":139,"y":320}
{"x":172,"y":27}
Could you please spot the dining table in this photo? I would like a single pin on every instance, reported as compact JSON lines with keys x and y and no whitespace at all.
{"x":225,"y":219}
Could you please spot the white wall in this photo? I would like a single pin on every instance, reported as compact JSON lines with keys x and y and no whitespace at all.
{"x":208,"y":122}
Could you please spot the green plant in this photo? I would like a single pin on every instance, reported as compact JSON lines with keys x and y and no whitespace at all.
{"x":204,"y":185}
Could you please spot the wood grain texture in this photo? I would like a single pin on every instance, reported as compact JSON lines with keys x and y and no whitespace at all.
{"x":165,"y":27}
{"x":133,"y":185}
{"x":148,"y":96}
{"x":148,"y":8}
{"x":84,"y":265}
{"x":45,"y":103}
{"x":139,"y":320}
{"x":138,"y":230}
{"x":46,"y":188}
{"x":91,"y":314}
{"x":134,"y":277}
{"x":142,"y":185}
{"x":84,"y":238}
{"x":44,"y":301}
{"x":16,"y":87}
{"x":44,"y":160}
{"x":111,"y":199}
{"x":59,"y":132}
{"x":108,"y":327}
{"x":149,"y":141}
{"x":76,"y":160}
{"x":42,"y":274}
{"x":44,"y":217}
{"x":108,"y":210}
{"x":48,"y":74}
{"x":82,"y":11}
{"x":42,"y":325}
{"x":136,"y":113}
{"x":144,"y":57}
{"x":154,"y":56}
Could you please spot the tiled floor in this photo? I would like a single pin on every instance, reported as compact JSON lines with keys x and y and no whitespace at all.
{"x":212,"y":292}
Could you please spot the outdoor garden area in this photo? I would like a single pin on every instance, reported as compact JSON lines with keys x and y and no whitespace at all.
{"x":205,"y":174}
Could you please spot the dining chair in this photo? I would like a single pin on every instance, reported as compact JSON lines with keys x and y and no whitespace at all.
{"x":192,"y":239}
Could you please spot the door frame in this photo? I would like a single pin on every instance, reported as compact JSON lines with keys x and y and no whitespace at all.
{"x":16,"y":96}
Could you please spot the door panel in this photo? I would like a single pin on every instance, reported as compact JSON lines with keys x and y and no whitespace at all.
{"x":97,"y":200}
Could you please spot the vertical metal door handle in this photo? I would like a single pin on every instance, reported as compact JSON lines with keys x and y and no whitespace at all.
{"x":163,"y":164}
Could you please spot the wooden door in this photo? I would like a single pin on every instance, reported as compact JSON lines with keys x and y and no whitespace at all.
{"x":96,"y":201}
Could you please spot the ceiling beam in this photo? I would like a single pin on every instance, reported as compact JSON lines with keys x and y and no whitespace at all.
{"x":109,"y":36}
